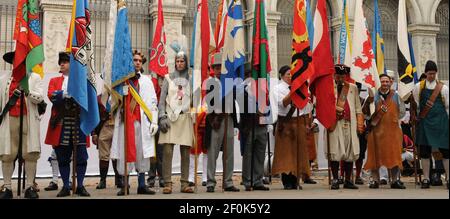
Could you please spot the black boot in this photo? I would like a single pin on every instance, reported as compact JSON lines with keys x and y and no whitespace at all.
{"x":117,"y":178}
{"x":81,"y":191}
{"x":64,"y":192}
{"x":6,"y":193}
{"x":397,"y":185}
{"x":31,"y":193}
{"x":118,"y":181}
{"x":335,"y":184}
{"x":121,"y":192}
{"x":104,"y":165}
{"x":145,"y":191}
{"x":349,"y":185}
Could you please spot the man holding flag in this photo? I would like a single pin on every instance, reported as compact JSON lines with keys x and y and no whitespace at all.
{"x":75,"y":111}
{"x":252,"y":128}
{"x":10,"y":104}
{"x":19,"y":100}
{"x":291,"y":152}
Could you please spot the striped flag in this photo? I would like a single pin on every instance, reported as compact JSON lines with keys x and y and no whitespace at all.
{"x":29,"y":53}
{"x":301,"y":65}
{"x":378,"y":45}
{"x":219,"y":31}
{"x":363,"y":68}
{"x":261,"y":57}
{"x":405,"y":68}
{"x":81,"y":84}
{"x":221,"y":24}
{"x":345,"y":42}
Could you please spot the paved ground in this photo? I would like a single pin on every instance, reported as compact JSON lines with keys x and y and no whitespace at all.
{"x":318,"y":191}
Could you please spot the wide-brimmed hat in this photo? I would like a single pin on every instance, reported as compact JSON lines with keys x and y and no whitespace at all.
{"x":342,"y":69}
{"x":9,"y":57}
{"x":63,"y":57}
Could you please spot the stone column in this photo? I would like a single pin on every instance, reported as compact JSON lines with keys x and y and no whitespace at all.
{"x":174,"y":12}
{"x":424,"y":44}
{"x":272,"y":21}
{"x":55,"y":26}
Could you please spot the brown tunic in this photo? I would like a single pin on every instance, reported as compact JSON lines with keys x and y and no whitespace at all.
{"x":291,"y":147}
{"x":384,"y":142}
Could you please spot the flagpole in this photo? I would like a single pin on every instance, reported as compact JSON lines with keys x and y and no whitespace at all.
{"x":269,"y":155}
{"x":125,"y":169}
{"x":196,"y":152}
{"x":412,"y":110}
{"x":329,"y":158}
{"x":74,"y":158}
{"x":20,"y":157}
{"x":225,"y":157}
{"x":253,"y":152}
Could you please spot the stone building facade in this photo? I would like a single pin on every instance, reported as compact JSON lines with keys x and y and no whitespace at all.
{"x":427,"y":22}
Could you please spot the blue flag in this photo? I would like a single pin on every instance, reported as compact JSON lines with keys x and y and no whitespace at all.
{"x":233,"y":58}
{"x":122,"y":65}
{"x":81,"y":84}
{"x":413,"y":60}
{"x":192,"y":53}
{"x":377,"y":37}
{"x":309,"y":24}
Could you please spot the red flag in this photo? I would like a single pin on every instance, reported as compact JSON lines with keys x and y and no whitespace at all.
{"x":322,"y":86}
{"x":205,"y":25}
{"x":158,"y":58}
{"x":129,"y":130}
{"x":301,"y":66}
{"x":219,"y":31}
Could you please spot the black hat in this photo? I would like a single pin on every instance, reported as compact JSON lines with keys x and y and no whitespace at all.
{"x":9,"y":57}
{"x":63,"y":56}
{"x":342,"y":69}
{"x":430,"y":66}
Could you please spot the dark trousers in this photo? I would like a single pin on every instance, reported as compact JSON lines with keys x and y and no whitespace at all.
{"x":64,"y":157}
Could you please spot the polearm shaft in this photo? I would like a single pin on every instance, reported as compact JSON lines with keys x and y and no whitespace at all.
{"x":413,"y":116}
{"x":252,"y":151}
{"x":74,"y":154}
{"x":329,"y":158}
{"x":196,"y":152}
{"x":225,"y":157}
{"x":19,"y":154}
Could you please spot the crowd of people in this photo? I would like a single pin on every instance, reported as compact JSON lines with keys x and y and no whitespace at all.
{"x":377,"y":139}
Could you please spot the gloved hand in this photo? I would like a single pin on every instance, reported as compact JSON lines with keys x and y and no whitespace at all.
{"x":153,"y":129}
{"x":95,"y":139}
{"x":57,"y":96}
{"x":164,"y":123}
{"x":269,"y":128}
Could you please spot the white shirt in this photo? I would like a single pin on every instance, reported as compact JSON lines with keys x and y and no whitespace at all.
{"x":281,"y":91}
{"x":431,"y":86}
{"x":64,"y":85}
